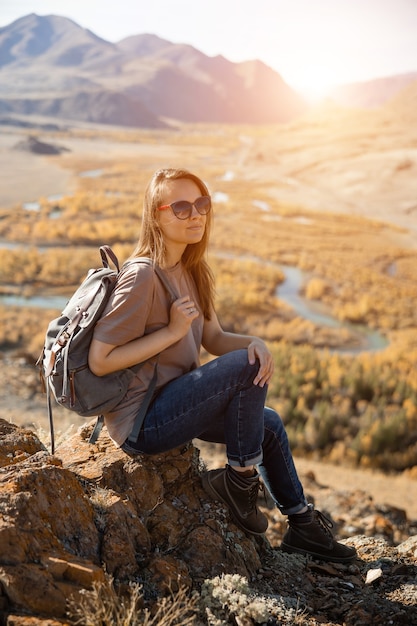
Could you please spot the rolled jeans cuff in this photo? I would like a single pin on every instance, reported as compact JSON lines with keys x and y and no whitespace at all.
{"x":294,"y":509}
{"x":247,"y":462}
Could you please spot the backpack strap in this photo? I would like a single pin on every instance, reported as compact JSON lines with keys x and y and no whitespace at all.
{"x":97,"y":429}
{"x":107,"y":253}
{"x":158,"y":271}
{"x":50,"y":417}
{"x":137,"y":426}
{"x":140,"y":417}
{"x":164,"y":280}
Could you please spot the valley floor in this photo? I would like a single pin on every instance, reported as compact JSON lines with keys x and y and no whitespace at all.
{"x":25,"y":177}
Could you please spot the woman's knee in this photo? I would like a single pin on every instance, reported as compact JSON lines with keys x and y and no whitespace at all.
{"x":235,"y":365}
{"x":241,"y":363}
{"x":272,"y":417}
{"x":274,"y":426}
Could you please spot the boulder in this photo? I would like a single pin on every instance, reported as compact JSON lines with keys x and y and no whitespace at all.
{"x":89,"y":511}
{"x":35,"y":146}
{"x":92,"y":523}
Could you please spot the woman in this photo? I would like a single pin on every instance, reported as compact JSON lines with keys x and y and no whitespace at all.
{"x":221,"y":401}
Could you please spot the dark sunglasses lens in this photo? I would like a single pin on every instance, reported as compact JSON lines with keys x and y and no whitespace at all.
{"x":203,"y":204}
{"x":182,"y":209}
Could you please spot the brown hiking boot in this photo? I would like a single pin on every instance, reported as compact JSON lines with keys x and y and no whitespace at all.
{"x":240,"y":494}
{"x":315,"y":539}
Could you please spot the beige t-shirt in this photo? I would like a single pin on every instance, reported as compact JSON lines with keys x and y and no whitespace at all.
{"x":139,"y":305}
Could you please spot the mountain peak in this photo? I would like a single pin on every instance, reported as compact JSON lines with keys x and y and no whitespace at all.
{"x":52,"y":66}
{"x":47,"y":60}
{"x":52,"y":39}
{"x":143,"y":44}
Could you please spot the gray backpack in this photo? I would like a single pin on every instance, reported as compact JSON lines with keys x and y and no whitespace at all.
{"x":64,"y":359}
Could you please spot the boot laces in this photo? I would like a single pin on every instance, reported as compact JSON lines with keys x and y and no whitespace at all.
{"x":253,"y":495}
{"x":323,"y":522}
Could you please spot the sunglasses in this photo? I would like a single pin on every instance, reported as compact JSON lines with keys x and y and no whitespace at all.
{"x":183,"y":209}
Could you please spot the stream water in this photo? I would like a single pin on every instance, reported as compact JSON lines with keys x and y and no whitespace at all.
{"x":38,"y":301}
{"x":288,"y":292}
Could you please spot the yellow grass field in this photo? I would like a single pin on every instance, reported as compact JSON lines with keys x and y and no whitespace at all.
{"x":333,"y":194}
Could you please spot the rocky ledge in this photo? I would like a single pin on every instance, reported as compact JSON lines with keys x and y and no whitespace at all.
{"x":89,"y":515}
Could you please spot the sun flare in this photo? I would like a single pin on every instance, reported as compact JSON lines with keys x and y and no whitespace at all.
{"x":314,"y":84}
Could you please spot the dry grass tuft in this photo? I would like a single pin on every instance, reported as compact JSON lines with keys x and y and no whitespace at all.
{"x":105,"y":606}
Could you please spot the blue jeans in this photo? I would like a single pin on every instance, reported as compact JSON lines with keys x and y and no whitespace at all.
{"x":218,"y":402}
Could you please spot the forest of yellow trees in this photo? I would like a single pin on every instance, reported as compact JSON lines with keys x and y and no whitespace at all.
{"x":339,"y":402}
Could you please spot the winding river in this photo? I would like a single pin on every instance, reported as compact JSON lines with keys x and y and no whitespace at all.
{"x":318,"y":313}
{"x":288,"y":292}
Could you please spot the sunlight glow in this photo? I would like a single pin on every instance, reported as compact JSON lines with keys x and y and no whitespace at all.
{"x":314,"y":87}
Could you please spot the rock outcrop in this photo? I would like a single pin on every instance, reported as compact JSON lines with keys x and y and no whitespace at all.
{"x":89,"y":510}
{"x":90,"y":514}
{"x":35,"y":146}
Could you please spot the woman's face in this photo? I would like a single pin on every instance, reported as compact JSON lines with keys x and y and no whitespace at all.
{"x":179,"y":233}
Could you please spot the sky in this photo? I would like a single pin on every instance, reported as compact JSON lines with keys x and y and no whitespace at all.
{"x":313,"y":44}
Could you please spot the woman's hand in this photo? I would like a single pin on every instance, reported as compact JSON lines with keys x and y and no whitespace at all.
{"x":257,"y":349}
{"x":105,"y":358}
{"x":183,"y":312}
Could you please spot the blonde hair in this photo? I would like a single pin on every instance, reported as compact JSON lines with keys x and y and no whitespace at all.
{"x":152,"y":244}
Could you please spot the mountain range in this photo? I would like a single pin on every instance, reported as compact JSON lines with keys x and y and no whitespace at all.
{"x":50,"y":66}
